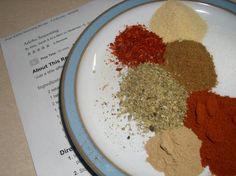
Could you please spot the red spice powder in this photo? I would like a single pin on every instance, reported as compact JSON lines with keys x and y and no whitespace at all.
{"x":213,"y":120}
{"x":136,"y":45}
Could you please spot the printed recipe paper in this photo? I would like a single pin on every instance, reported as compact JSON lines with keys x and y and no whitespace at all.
{"x":34,"y":59}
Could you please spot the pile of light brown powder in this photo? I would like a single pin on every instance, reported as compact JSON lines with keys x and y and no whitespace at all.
{"x":153,"y":98}
{"x":176,"y":21}
{"x":191,"y":64}
{"x":175,"y":152}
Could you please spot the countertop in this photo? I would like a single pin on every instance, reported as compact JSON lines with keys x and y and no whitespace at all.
{"x":15,"y":15}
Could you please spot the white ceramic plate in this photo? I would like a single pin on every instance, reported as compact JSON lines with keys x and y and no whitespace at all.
{"x":90,"y":80}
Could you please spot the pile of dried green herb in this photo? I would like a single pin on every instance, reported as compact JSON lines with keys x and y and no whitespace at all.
{"x":152,"y":97}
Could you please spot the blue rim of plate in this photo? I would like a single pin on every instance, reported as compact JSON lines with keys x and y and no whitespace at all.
{"x":73,"y":123}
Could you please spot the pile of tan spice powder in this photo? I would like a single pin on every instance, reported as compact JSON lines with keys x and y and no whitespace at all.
{"x":191,"y":64}
{"x":176,"y":21}
{"x":175,"y":152}
{"x":153,"y":98}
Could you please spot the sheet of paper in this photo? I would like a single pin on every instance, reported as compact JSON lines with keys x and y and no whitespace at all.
{"x":34,"y":59}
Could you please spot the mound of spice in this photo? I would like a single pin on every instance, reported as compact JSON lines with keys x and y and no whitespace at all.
{"x":175,"y":152}
{"x":153,"y":98}
{"x":213,"y":120}
{"x":176,"y":21}
{"x":191,"y":64}
{"x":136,"y":45}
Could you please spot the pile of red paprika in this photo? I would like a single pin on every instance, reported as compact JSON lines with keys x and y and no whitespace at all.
{"x":213,"y":120}
{"x":211,"y":117}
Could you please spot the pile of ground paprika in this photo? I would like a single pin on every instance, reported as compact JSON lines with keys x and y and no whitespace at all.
{"x":213,"y":119}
